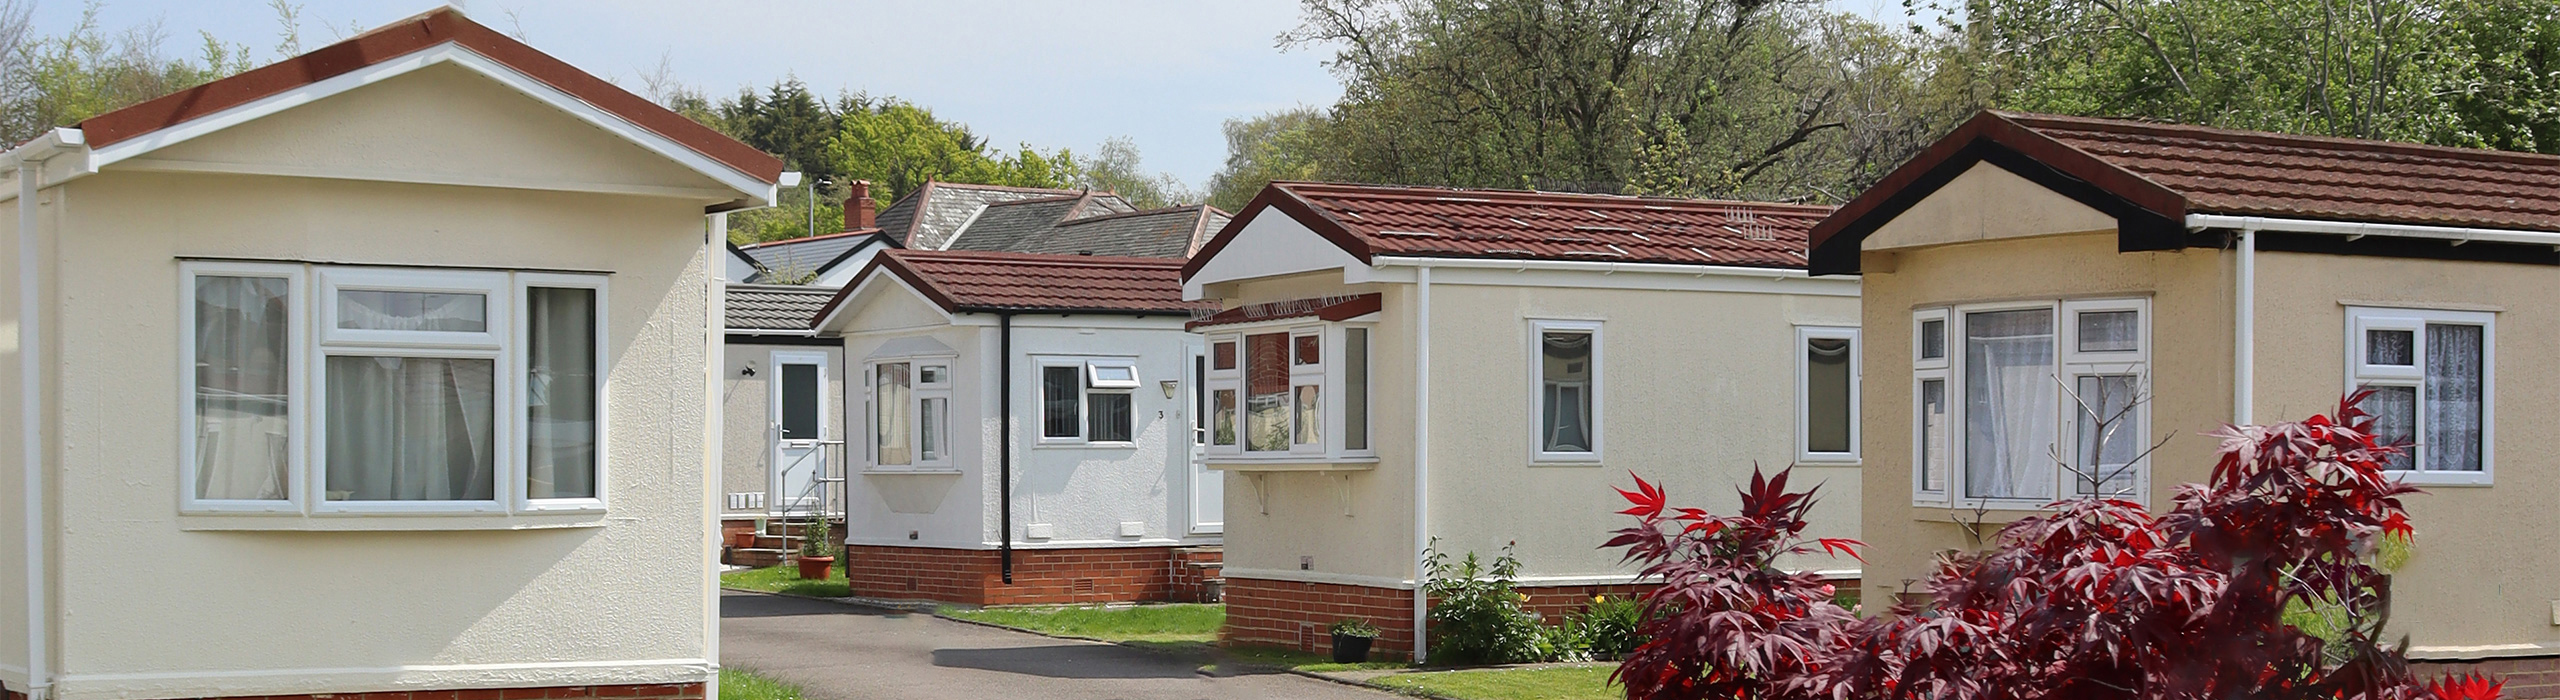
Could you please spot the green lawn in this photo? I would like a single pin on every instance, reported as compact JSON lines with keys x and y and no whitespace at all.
{"x":786,"y":579}
{"x":1556,"y":683}
{"x":742,"y":684}
{"x":1182,"y":624}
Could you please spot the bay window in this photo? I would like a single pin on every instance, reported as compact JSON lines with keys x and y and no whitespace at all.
{"x":1087,"y":400}
{"x":1289,"y":391}
{"x":2429,"y":375}
{"x":1565,"y":392}
{"x":422,"y":391}
{"x":2022,"y":403}
{"x":910,"y":412}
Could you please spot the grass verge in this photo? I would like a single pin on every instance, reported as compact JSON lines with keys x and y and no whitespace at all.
{"x":1309,"y":662}
{"x":786,"y":580}
{"x":1552,"y":683}
{"x":1179,"y":624}
{"x":742,"y":684}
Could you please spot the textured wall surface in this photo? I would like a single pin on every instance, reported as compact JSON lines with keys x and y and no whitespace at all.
{"x":1040,"y":576}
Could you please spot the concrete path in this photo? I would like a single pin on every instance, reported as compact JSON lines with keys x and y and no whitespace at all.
{"x":842,"y":652}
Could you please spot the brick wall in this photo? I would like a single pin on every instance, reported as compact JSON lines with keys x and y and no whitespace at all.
{"x":1040,"y":576}
{"x":7,"y":694}
{"x":2527,"y":679}
{"x":1298,"y":615}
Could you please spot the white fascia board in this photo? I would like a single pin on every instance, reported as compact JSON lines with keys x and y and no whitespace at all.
{"x":827,"y":325}
{"x":758,"y":193}
{"x":2356,"y":229}
{"x":62,"y":153}
{"x":1606,"y":275}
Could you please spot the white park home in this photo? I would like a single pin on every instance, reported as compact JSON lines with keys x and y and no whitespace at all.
{"x":362,"y":374}
{"x":1019,"y":430}
{"x":1396,"y":366}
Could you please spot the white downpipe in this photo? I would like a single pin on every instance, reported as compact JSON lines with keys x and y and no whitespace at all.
{"x":2244,"y":331}
{"x":1421,"y":455}
{"x":715,"y":346}
{"x":29,"y":160}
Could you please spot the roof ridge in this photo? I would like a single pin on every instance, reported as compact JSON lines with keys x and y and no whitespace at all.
{"x":2272,"y":138}
{"x":1005,"y":188}
{"x":805,"y":239}
{"x":1597,"y":198}
{"x":1130,"y":214}
{"x":1055,"y":259}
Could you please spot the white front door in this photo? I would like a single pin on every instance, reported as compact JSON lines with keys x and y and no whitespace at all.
{"x":799,"y":417}
{"x":1208,"y":486}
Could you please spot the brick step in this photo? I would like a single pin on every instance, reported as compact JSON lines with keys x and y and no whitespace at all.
{"x":755,"y":556}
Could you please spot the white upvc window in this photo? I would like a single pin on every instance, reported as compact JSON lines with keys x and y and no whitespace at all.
{"x":2432,"y":377}
{"x":1827,"y":395}
{"x":1289,"y":391}
{"x":355,"y":390}
{"x":910,"y":407}
{"x":2017,"y":404}
{"x":1088,"y":401}
{"x":1565,"y":392}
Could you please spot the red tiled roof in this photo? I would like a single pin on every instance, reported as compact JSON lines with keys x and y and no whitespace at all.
{"x":408,"y":36}
{"x":2151,"y":176}
{"x":1326,"y":308}
{"x":991,"y":281}
{"x":1371,"y":220}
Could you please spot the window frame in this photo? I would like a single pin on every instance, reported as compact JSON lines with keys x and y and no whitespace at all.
{"x":1085,"y":389}
{"x":1804,"y":406}
{"x":312,"y":337}
{"x":524,"y":284}
{"x":1329,"y":374}
{"x":918,"y":390}
{"x":297,"y":391}
{"x":2359,"y":374}
{"x":1538,"y":454}
{"x":2067,"y":361}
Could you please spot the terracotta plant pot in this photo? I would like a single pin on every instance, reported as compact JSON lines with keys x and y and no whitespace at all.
{"x":1348,"y":649}
{"x":742,"y":539}
{"x":815,"y":568}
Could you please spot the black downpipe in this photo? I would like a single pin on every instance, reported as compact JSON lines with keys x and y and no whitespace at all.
{"x":1004,"y":444}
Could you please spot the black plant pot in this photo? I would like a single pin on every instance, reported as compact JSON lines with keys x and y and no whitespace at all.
{"x":1348,"y":649}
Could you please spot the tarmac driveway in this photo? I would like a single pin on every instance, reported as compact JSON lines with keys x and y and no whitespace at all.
{"x":842,"y":652}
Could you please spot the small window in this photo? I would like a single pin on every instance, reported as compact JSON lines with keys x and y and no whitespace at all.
{"x":1567,"y":420}
{"x":932,"y":421}
{"x":1355,"y":389}
{"x":561,"y":393}
{"x":910,"y":413}
{"x":1222,"y":355}
{"x":1266,"y":399}
{"x":2428,"y":373}
{"x":1107,"y":416}
{"x":1933,"y":339}
{"x":1827,"y":386}
{"x":1060,"y":396}
{"x":2110,"y":331}
{"x":891,"y":393}
{"x":1223,"y":409}
{"x":243,"y":388}
{"x":1308,"y":350}
{"x":1931,"y":435}
{"x":1107,"y":375}
{"x":380,"y":310}
{"x":931,"y":375}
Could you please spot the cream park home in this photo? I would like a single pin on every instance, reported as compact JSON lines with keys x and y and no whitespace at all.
{"x":2176,"y":278}
{"x":366,"y":373}
{"x":1399,"y":366}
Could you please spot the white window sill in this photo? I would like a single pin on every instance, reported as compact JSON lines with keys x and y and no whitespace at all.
{"x":2420,"y":478}
{"x":1565,"y":460}
{"x":1292,"y":463}
{"x":1084,"y":445}
{"x":383,"y":522}
{"x":1823,"y":460}
{"x":929,"y":471}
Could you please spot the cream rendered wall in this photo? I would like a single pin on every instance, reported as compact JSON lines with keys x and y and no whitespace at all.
{"x":2191,"y":306}
{"x":2481,"y":582}
{"x":13,"y":526}
{"x":940,"y":506}
{"x":274,"y":612}
{"x":746,"y":411}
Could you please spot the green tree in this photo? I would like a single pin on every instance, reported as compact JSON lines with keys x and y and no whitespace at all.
{"x":2507,"y":96}
{"x":1117,"y":167}
{"x":50,"y":81}
{"x":1282,"y":145}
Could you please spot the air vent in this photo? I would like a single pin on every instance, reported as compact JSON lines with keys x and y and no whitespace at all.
{"x":746,"y":500}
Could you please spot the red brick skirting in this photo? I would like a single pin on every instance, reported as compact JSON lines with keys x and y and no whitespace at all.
{"x":1040,"y":576}
{"x":7,"y":694}
{"x":2534,"y":678}
{"x":664,"y":691}
{"x":1298,"y":615}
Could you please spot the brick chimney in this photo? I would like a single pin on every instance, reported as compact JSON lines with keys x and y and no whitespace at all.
{"x":858,"y":207}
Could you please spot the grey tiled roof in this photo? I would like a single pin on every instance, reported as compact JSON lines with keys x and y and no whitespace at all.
{"x":927,"y":218}
{"x":1008,"y":226}
{"x":767,"y":307}
{"x":1155,"y":233}
{"x":802,"y":256}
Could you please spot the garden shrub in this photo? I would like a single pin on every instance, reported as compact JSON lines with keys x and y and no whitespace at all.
{"x":1605,"y":629}
{"x":2096,"y":598}
{"x":1476,"y":617}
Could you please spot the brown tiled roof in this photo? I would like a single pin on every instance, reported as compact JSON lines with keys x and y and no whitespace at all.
{"x":1371,"y":220}
{"x":961,"y":281}
{"x":408,"y":36}
{"x":1326,"y":308}
{"x":2151,"y":176}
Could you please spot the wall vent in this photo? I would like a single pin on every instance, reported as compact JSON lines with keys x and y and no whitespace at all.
{"x":746,"y":500}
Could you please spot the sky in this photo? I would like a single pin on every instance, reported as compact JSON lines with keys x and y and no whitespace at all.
{"x":1165,"y":74}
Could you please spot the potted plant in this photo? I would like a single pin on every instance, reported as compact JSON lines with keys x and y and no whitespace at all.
{"x":817,"y":553}
{"x":743,"y":539}
{"x":1351,"y":640}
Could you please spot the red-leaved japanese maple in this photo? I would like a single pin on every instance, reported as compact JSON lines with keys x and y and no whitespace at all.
{"x":2098,"y":598}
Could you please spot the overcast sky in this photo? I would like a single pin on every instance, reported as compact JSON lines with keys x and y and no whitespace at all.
{"x":1164,"y":73}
